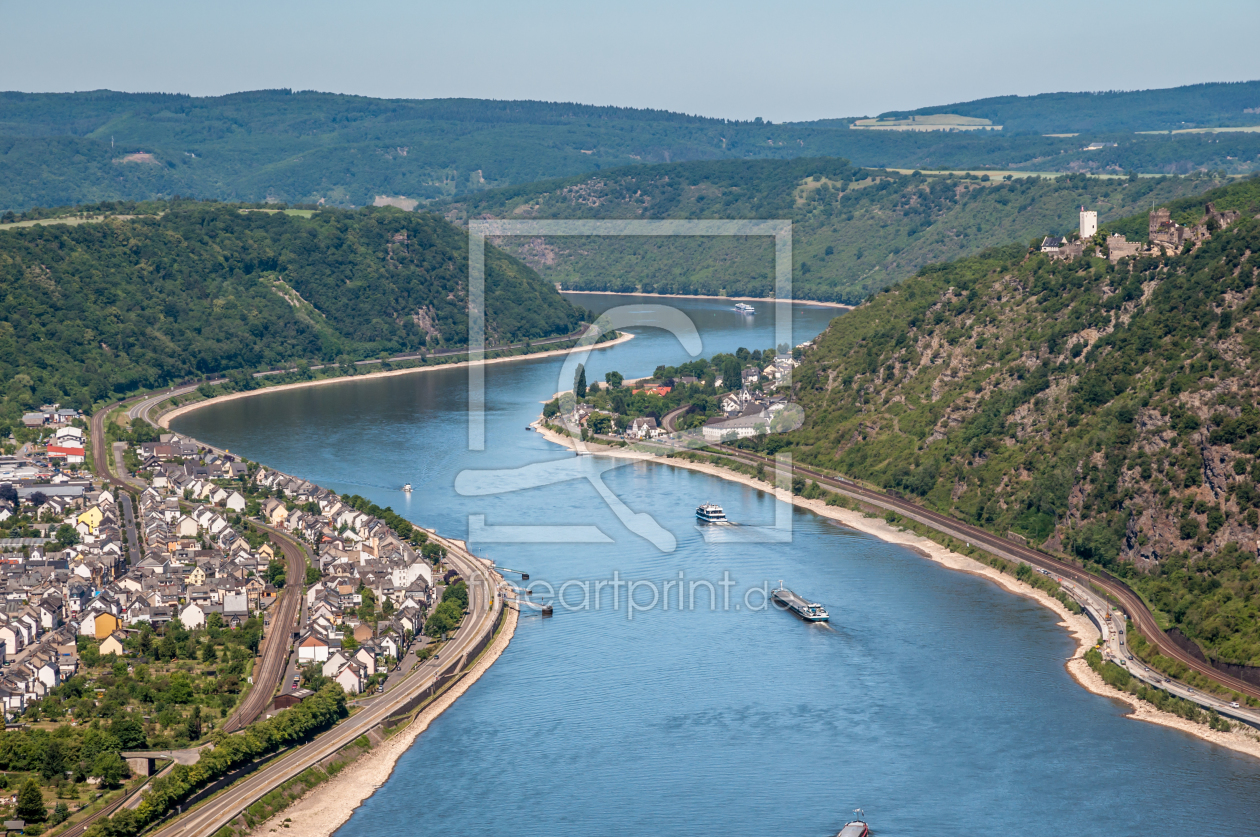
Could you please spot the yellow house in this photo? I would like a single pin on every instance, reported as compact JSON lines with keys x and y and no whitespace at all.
{"x":197,"y":577}
{"x":266,"y":551}
{"x":113,"y":644}
{"x":91,"y":518}
{"x":106,"y":624}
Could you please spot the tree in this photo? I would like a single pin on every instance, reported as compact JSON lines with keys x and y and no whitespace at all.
{"x":67,"y":536}
{"x":30,"y":803}
{"x":313,"y":575}
{"x":613,"y":379}
{"x":54,"y":761}
{"x":193,"y":725}
{"x":9,"y":494}
{"x":129,"y":732}
{"x":579,"y":381}
{"x":37,"y":499}
{"x":109,"y":768}
{"x":275,"y":572}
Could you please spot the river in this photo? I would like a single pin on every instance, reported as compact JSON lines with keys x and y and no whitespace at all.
{"x":933,"y":700}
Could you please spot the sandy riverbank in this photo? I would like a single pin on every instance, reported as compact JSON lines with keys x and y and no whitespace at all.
{"x":166,"y":418}
{"x":766,"y":299}
{"x":324,"y":809}
{"x":1243,"y":739}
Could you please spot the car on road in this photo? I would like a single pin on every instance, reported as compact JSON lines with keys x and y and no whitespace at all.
{"x":297,"y":680}
{"x":1234,"y":704}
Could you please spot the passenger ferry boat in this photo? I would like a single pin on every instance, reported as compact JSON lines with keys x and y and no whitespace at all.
{"x":711,"y":513}
{"x":407,"y":488}
{"x":744,"y":308}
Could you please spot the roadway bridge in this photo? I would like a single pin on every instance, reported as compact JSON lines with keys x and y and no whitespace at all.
{"x":142,"y":762}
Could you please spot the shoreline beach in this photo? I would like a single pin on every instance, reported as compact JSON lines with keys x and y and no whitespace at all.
{"x":325,"y":808}
{"x":166,"y":418}
{"x":767,"y":299}
{"x":1082,"y":630}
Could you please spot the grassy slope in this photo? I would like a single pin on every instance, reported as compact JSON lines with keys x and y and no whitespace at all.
{"x":856,"y":230}
{"x":101,"y":308}
{"x":59,"y":149}
{"x":1102,"y":411}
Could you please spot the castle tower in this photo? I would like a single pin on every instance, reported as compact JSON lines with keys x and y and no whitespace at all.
{"x":1089,"y":223}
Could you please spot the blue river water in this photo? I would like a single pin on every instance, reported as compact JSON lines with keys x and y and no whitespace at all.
{"x":933,"y":700}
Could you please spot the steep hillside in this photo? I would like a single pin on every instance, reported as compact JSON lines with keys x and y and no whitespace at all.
{"x":60,"y":149}
{"x":855,"y":230}
{"x":1104,"y":411}
{"x":188,"y":288}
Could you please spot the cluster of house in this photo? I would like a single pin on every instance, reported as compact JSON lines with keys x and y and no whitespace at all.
{"x":747,"y":411}
{"x":177,"y":463}
{"x":195,"y":564}
{"x":355,"y":551}
{"x":53,"y":414}
{"x":1164,"y":236}
{"x":51,"y":596}
{"x":67,"y":445}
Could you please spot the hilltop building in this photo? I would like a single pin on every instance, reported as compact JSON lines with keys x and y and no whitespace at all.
{"x":1170,"y":236}
{"x":1089,"y":223}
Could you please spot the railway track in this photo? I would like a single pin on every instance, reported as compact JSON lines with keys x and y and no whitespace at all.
{"x":1123,"y":595}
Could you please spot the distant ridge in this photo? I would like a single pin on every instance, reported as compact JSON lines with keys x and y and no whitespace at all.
{"x":1214,"y":104}
{"x":307,"y":147}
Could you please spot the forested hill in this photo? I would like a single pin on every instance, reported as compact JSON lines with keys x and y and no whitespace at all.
{"x":98,"y":309}
{"x":855,"y":230}
{"x":1175,"y":109}
{"x":305,"y":147}
{"x":1108,"y":412}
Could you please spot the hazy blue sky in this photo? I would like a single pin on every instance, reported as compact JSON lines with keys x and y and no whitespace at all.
{"x":778,"y":60}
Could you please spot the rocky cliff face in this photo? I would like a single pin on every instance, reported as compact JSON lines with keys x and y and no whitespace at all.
{"x":1107,"y":412}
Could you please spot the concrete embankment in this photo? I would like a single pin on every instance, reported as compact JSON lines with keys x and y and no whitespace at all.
{"x":323,"y":810}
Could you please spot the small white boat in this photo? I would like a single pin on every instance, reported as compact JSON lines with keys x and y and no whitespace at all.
{"x":407,"y":488}
{"x":745,"y":308}
{"x":710,"y":513}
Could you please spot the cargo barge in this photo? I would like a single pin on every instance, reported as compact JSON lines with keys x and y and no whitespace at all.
{"x":809,"y":611}
{"x":857,"y":828}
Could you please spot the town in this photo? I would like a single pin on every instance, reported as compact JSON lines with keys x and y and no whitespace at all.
{"x":729,"y":397}
{"x":160,"y":611}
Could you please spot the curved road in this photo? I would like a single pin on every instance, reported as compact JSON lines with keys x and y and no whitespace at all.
{"x":484,"y":606}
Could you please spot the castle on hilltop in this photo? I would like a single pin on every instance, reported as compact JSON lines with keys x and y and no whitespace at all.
{"x":1164,"y":235}
{"x":1171,"y":236}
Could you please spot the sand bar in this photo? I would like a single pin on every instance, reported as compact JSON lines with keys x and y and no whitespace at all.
{"x":166,"y":418}
{"x":766,"y":299}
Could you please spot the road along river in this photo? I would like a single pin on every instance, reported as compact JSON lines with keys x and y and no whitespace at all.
{"x":934,"y":700}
